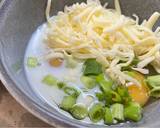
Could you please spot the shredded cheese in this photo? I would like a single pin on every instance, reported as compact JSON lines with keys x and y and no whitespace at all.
{"x":145,"y":62}
{"x":48,"y":9}
{"x":90,"y":30}
{"x":141,"y":70}
{"x":152,"y":20}
{"x":117,"y":6}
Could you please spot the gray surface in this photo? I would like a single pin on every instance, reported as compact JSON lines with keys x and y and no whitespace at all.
{"x":18,"y":20}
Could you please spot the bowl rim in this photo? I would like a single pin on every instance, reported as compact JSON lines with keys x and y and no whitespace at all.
{"x":24,"y":99}
{"x":17,"y":94}
{"x":27,"y":102}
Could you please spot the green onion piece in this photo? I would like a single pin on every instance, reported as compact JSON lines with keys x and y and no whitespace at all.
{"x":71,"y":91}
{"x":155,"y":92}
{"x":96,"y":112}
{"x":127,"y":68}
{"x":108,"y":98}
{"x":130,"y":73}
{"x":92,"y":67}
{"x":100,"y":96}
{"x":104,"y":84}
{"x":154,"y":81}
{"x":117,"y":111}
{"x":49,"y":80}
{"x":89,"y":99}
{"x":116,"y":97}
{"x":133,"y":112}
{"x":67,"y":103}
{"x":32,"y":62}
{"x":108,"y":118}
{"x":135,"y":61}
{"x":79,"y":111}
{"x":61,"y":85}
{"x":106,"y":87}
{"x":89,"y":82}
{"x":123,"y":92}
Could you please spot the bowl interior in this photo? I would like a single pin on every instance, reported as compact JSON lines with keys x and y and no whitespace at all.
{"x":20,"y":18}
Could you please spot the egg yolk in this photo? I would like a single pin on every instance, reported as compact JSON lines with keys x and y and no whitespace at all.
{"x":139,"y":94}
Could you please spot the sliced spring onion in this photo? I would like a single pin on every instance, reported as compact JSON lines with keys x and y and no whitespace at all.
{"x":67,"y":103}
{"x":133,"y":112}
{"x":96,"y":112}
{"x":106,"y":87}
{"x":135,"y":61}
{"x":32,"y":62}
{"x":116,"y":97}
{"x":49,"y":80}
{"x":61,"y":85}
{"x":123,"y":92}
{"x":79,"y":111}
{"x":100,"y":96}
{"x":154,"y":81}
{"x":155,"y":92}
{"x":89,"y":82}
{"x":108,"y":98}
{"x":104,"y":84}
{"x":92,"y":67}
{"x":108,"y":118}
{"x":85,"y":99}
{"x":117,"y":111}
{"x":71,"y":91}
{"x":130,"y":73}
{"x":89,"y":99}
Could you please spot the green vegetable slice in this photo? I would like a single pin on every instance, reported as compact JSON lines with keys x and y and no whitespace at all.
{"x":106,"y":87}
{"x":96,"y":112}
{"x":154,"y":81}
{"x":49,"y":80}
{"x":100,"y":96}
{"x":89,"y":99}
{"x":67,"y":103}
{"x":108,"y":118}
{"x":89,"y":82}
{"x":155,"y":92}
{"x":133,"y":112}
{"x":32,"y":62}
{"x":117,"y":111}
{"x":61,"y":85}
{"x":79,"y":111}
{"x":108,"y":98}
{"x":123,"y":92}
{"x":92,"y":67}
{"x":116,"y":97}
{"x":71,"y":91}
{"x":104,"y":84}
